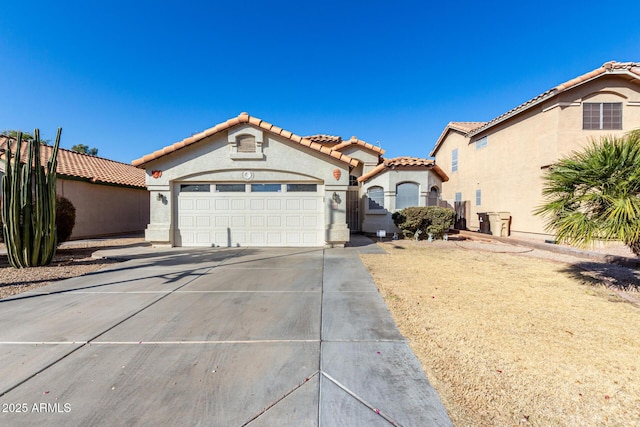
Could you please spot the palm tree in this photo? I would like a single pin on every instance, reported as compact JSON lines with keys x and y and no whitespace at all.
{"x":595,"y":194}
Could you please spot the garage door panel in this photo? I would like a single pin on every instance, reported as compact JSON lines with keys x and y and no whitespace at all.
{"x":257,"y":204}
{"x":238,"y":221}
{"x":238,"y":204}
{"x":293,"y":221}
{"x":309,"y":221}
{"x":310,"y":205}
{"x":250,"y":219}
{"x":187,"y":204}
{"x":293,"y":204}
{"x":203,"y":205}
{"x":257,"y":221}
{"x":274,"y":204}
{"x":187,"y":221}
{"x":274,"y":221}
{"x":222,"y":205}
{"x":221,"y":221}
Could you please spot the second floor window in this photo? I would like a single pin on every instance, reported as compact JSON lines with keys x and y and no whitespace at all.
{"x":454,"y":160}
{"x":602,"y":115}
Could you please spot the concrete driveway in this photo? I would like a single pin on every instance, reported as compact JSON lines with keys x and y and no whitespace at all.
{"x":216,"y":337}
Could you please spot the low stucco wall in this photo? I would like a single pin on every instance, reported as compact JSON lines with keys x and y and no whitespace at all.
{"x":103,"y":210}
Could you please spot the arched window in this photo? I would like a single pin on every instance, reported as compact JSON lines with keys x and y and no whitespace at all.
{"x":406,"y":195}
{"x":376,"y":198}
{"x":246,"y":144}
{"x":434,"y":196}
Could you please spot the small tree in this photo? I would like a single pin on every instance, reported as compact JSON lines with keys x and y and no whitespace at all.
{"x":65,"y":219}
{"x":26,"y":136}
{"x":84,"y":149}
{"x":595,"y":194}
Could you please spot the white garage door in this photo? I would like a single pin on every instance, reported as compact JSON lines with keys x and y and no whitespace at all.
{"x":258,"y":214}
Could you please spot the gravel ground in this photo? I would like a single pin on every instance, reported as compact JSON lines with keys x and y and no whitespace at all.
{"x":72,"y":259}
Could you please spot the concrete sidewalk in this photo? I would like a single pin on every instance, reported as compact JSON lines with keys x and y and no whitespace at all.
{"x":242,"y":336}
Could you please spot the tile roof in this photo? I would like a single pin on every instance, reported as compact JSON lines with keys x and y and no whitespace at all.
{"x":631,"y":69}
{"x":324,"y":139}
{"x":404,"y":162}
{"x":92,"y":168}
{"x":246,"y":118}
{"x":464,"y":127}
{"x":355,"y":141}
{"x":628,"y":69}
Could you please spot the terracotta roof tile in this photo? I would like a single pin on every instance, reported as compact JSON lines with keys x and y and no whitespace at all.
{"x":93,"y":168}
{"x":246,"y":118}
{"x":355,"y":141}
{"x":325,"y":139}
{"x":404,"y":162}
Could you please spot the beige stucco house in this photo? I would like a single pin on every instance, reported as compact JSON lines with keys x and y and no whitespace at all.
{"x":110,"y":197}
{"x":246,"y":182}
{"x":497,"y":166}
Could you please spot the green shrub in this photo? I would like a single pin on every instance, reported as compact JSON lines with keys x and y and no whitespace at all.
{"x":428,"y":219}
{"x":65,"y":218}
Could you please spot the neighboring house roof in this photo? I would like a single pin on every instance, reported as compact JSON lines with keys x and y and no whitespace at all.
{"x":630,"y":70}
{"x":404,"y":162}
{"x":246,"y":118}
{"x":462,"y":127}
{"x":324,"y":139}
{"x":355,"y":141}
{"x":91,"y":168}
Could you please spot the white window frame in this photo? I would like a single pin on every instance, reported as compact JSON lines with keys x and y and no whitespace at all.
{"x":478,"y":197}
{"x":601,"y":114}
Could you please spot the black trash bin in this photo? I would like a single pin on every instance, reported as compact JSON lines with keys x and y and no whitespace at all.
{"x":485,"y":226}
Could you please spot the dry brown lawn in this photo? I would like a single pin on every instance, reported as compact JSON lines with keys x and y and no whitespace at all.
{"x":510,"y":340}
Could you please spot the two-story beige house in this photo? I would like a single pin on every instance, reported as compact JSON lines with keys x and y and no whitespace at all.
{"x":497,"y":166}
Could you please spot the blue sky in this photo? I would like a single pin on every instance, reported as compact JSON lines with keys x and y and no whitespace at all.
{"x":132,"y":77}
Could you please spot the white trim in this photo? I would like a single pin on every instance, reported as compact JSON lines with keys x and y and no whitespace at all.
{"x":562,"y":104}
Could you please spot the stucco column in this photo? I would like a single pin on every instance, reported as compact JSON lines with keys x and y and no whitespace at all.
{"x":337,"y":232}
{"x":159,"y":231}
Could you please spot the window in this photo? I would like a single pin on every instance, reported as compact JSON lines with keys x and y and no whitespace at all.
{"x":195,"y":188}
{"x":406,"y":195}
{"x":246,"y":144}
{"x":266,"y":188}
{"x":302,"y":188}
{"x":454,"y":160}
{"x":353,"y":180}
{"x":376,"y":198}
{"x":482,"y":142}
{"x":458,"y":197}
{"x":230,"y":188}
{"x":602,"y":115}
{"x":478,"y":197}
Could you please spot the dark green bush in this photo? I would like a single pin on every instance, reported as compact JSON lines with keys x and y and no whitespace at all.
{"x":428,"y":219}
{"x":65,"y":218}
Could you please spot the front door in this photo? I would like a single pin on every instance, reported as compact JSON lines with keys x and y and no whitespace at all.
{"x":353,"y":209}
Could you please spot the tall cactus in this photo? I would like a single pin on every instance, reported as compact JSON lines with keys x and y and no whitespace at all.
{"x":29,"y":204}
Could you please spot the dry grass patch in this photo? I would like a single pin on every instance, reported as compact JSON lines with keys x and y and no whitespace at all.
{"x":511,"y":340}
